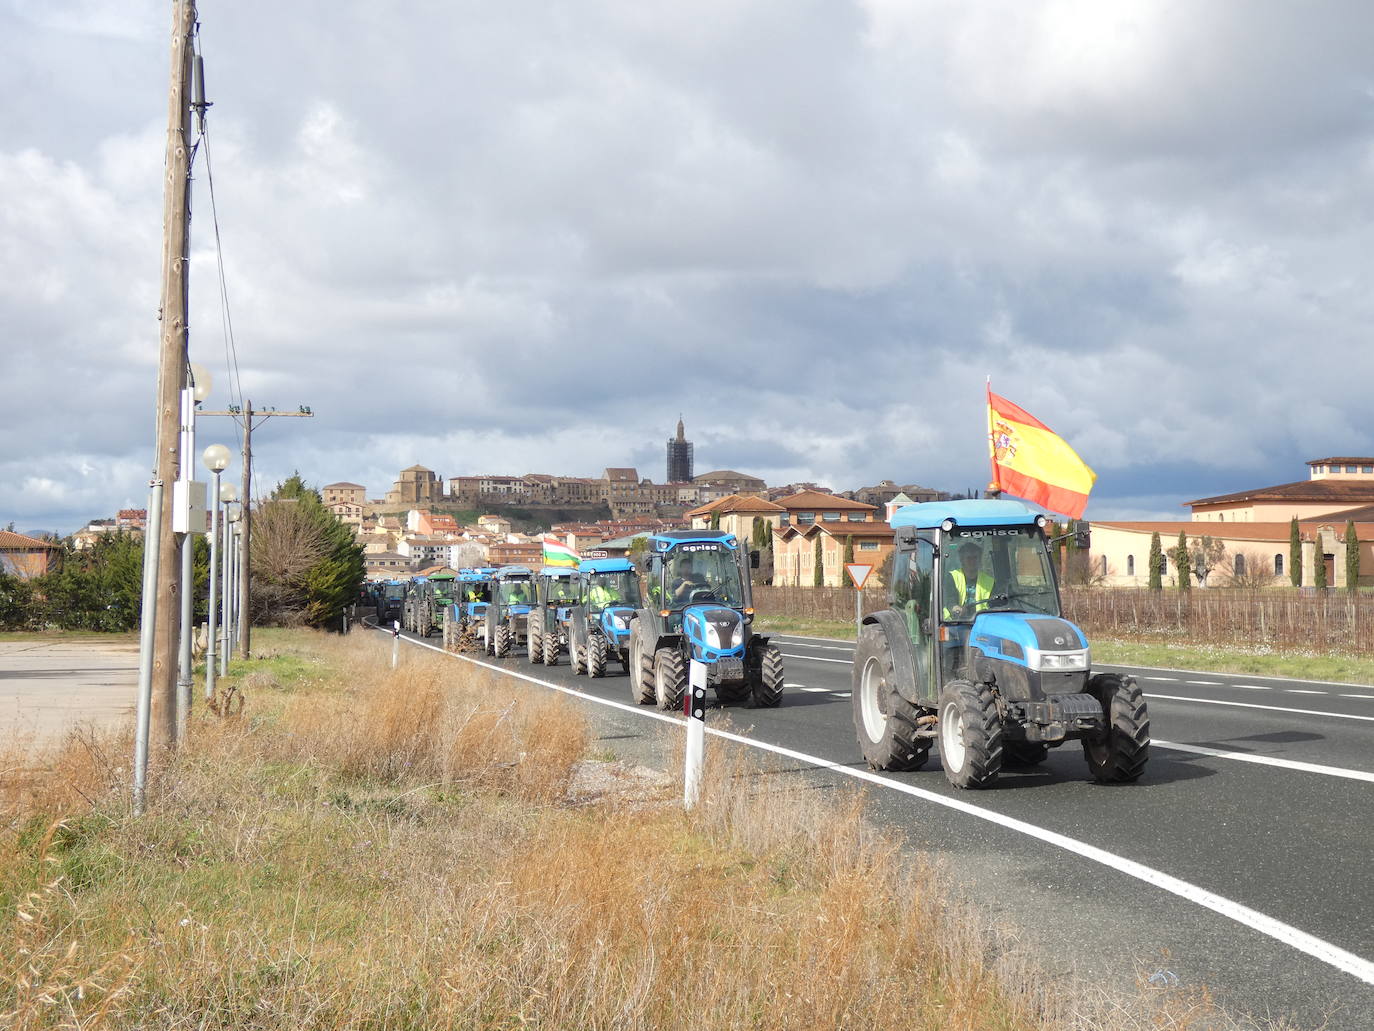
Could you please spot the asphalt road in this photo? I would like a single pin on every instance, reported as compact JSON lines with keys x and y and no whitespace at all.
{"x":1240,"y":861}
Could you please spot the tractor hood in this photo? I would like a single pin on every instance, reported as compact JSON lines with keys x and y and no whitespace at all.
{"x":715,"y":632}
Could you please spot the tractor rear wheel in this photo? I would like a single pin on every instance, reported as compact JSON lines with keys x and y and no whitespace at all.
{"x":1024,"y":753}
{"x":641,"y":671}
{"x":577,"y":656}
{"x":534,"y":644}
{"x":970,"y":734}
{"x":550,"y":649}
{"x":1119,"y":755}
{"x":884,"y":720}
{"x":734,"y":692}
{"x":768,"y":686}
{"x":596,"y":656}
{"x":501,"y":646}
{"x":670,"y":678}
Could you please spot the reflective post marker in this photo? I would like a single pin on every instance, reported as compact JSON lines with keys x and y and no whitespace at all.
{"x":395,"y":642}
{"x":695,"y":709}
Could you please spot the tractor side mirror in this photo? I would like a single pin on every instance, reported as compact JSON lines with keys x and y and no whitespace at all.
{"x":1082,"y":535}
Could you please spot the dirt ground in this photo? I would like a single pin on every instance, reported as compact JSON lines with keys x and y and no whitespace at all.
{"x":49,"y":687}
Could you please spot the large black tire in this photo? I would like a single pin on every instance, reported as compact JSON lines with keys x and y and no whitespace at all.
{"x":768,"y":686}
{"x":550,"y":649}
{"x":739,"y":691}
{"x":970,"y":734}
{"x":596,"y":656}
{"x":884,"y":721}
{"x":577,"y":655}
{"x":1024,"y":753}
{"x":641,"y":671}
{"x":670,"y":679}
{"x":501,"y":644}
{"x":534,"y":643}
{"x":1119,"y":756}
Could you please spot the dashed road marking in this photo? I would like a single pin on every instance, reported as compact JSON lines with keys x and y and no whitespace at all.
{"x":1204,"y":683}
{"x":1299,"y":690}
{"x":1365,"y":697}
{"x":1265,"y":708}
{"x":816,"y":658}
{"x":1252,"y":687}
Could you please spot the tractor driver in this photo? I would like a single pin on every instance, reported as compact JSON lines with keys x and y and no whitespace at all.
{"x":603,"y":594}
{"x":967,"y":587}
{"x":518,"y":594}
{"x":688,"y":580}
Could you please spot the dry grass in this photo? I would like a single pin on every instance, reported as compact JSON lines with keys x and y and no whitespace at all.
{"x":379,"y":849}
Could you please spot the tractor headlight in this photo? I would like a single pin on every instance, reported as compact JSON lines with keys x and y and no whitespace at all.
{"x":712,"y":636}
{"x":1048,"y":661}
{"x":619,"y":622}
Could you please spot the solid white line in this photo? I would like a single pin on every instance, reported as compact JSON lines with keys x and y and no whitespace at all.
{"x":1311,"y":945}
{"x":816,"y":658}
{"x":1267,"y":708}
{"x":1264,"y":760}
{"x":821,"y":647}
{"x":1171,"y":679}
{"x":1366,"y":697}
{"x":1298,"y":690}
{"x":800,"y":638}
{"x":843,"y":694}
{"x":1215,"y":673}
{"x":1204,"y":683}
{"x":1252,"y":687}
{"x":815,"y":690}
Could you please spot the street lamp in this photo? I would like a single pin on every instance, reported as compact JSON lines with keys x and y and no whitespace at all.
{"x":216,"y":459}
{"x":229,"y":495}
{"x":190,"y":510}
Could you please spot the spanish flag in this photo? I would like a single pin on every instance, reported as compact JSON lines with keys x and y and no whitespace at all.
{"x":556,"y":553}
{"x":1030,"y":461}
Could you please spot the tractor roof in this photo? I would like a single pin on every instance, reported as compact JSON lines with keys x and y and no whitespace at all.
{"x":931,"y":514}
{"x":607,"y":565}
{"x":554,"y":572}
{"x":508,"y":572}
{"x":666,"y":540}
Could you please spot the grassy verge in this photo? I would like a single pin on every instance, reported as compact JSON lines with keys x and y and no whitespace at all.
{"x":842,"y":629}
{"x":368,"y":848}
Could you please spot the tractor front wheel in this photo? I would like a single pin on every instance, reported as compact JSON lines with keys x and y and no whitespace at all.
{"x":501,"y":645}
{"x":884,"y":720}
{"x":641,"y":671}
{"x":970,"y":735}
{"x":768,"y":686}
{"x":1119,"y":755}
{"x":596,"y":656}
{"x":550,"y":648}
{"x":670,"y":678}
{"x":534,"y":644}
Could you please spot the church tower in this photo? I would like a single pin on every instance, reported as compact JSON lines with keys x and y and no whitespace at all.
{"x":680,"y":457}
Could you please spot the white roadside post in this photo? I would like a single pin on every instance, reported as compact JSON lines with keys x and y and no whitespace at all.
{"x":695,"y":755}
{"x":858,"y":573}
{"x":147,"y":626}
{"x":395,"y":642}
{"x":228,"y":494}
{"x":216,"y":458}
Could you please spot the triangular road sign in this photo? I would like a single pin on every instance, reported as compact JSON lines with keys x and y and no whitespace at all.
{"x":858,"y":572}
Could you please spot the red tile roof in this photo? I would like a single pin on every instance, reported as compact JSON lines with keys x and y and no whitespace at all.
{"x":1316,"y":491}
{"x":736,"y":503}
{"x":812,"y":499}
{"x":10,"y":541}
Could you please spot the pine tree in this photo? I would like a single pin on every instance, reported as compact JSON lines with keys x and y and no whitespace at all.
{"x":1184,"y":563}
{"x":1318,"y":562}
{"x":1156,"y":582}
{"x":818,"y":576}
{"x":309,"y":567}
{"x":1352,"y":557}
{"x":1294,"y":554}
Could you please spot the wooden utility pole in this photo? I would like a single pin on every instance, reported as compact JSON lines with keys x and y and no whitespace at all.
{"x":245,"y":419}
{"x":172,"y":363}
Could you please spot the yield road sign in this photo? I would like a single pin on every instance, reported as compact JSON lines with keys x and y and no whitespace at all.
{"x":858,"y":572}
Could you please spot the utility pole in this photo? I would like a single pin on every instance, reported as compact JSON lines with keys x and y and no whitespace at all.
{"x":244,"y":417}
{"x":172,"y":366}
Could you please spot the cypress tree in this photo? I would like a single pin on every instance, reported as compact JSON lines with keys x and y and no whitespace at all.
{"x":1318,"y":562}
{"x":1294,"y":554}
{"x":1185,"y":565}
{"x":715,"y":520}
{"x":1156,"y":558}
{"x":848,"y":549}
{"x":1352,"y":557}
{"x":818,"y":575}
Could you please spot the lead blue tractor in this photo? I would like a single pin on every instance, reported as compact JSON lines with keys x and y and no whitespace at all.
{"x":600,"y":628}
{"x":974,"y":652}
{"x":698,"y":606}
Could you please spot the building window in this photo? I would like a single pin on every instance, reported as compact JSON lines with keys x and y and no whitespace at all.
{"x":1367,"y":469}
{"x":806,"y":518}
{"x":1350,"y":468}
{"x":831,"y":517}
{"x":1278,"y":565}
{"x":868,"y":545}
{"x":1163,"y":565}
{"x":856,"y":517}
{"x":1130,"y":565}
{"x":1239,"y":565}
{"x":1104,"y":565}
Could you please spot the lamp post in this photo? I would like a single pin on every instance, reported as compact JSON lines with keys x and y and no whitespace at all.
{"x":229,"y":494}
{"x":216,"y":459}
{"x":197,"y":390}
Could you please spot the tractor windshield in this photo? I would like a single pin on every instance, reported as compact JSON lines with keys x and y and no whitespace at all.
{"x":996,"y":569}
{"x":559,"y":590}
{"x":474,"y":590}
{"x":619,"y":588}
{"x":705,"y":572}
{"x":515,"y":592}
{"x":394,"y":592}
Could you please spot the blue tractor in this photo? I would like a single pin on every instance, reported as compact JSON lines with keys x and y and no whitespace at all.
{"x":973,"y":652}
{"x":601,"y":627}
{"x":699,"y":607}
{"x":507,"y":618}
{"x":472,"y":589}
{"x":391,"y":599}
{"x":557,"y":594}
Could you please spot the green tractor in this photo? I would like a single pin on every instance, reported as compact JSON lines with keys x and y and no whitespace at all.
{"x":974,"y":653}
{"x":558,"y":592}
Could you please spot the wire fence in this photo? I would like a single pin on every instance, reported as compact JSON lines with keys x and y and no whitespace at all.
{"x":1284,"y":619}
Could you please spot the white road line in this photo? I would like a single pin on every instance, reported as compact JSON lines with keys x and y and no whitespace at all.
{"x":801,"y":640}
{"x":798,"y":686}
{"x":1252,"y":687}
{"x":1214,"y":673}
{"x":1309,"y":944}
{"x":816,"y":658}
{"x":822,"y":647}
{"x":1299,"y":690}
{"x":1264,"y":760}
{"x":1159,"y":678}
{"x":842,"y":694}
{"x":1366,"y":697}
{"x":1204,"y":683}
{"x":815,"y":690}
{"x":1267,"y":708}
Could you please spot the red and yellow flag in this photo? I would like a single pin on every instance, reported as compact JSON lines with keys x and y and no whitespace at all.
{"x":1030,"y":461}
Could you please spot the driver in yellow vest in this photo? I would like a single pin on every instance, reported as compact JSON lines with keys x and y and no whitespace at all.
{"x":968,"y":588}
{"x":602,"y":594}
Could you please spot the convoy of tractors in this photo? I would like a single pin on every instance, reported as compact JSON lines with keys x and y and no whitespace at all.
{"x":972,"y":652}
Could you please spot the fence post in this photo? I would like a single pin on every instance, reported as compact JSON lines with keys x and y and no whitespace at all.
{"x":695,"y":754}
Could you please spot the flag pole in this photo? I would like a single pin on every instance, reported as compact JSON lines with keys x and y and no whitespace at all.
{"x":994,"y":490}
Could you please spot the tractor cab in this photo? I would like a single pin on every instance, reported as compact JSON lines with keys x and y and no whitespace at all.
{"x":558,"y":592}
{"x":602,"y":628}
{"x":507,"y":616}
{"x":974,"y":651}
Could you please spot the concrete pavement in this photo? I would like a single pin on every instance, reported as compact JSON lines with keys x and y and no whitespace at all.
{"x":48,"y":688}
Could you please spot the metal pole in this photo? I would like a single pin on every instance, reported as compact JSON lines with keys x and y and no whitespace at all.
{"x":695,"y":754}
{"x":188,"y":549}
{"x":858,"y":612}
{"x":214,"y":596}
{"x":147,"y":628}
{"x":230,"y":582}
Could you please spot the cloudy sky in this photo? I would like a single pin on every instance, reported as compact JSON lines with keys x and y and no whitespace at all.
{"x":523,"y":236}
